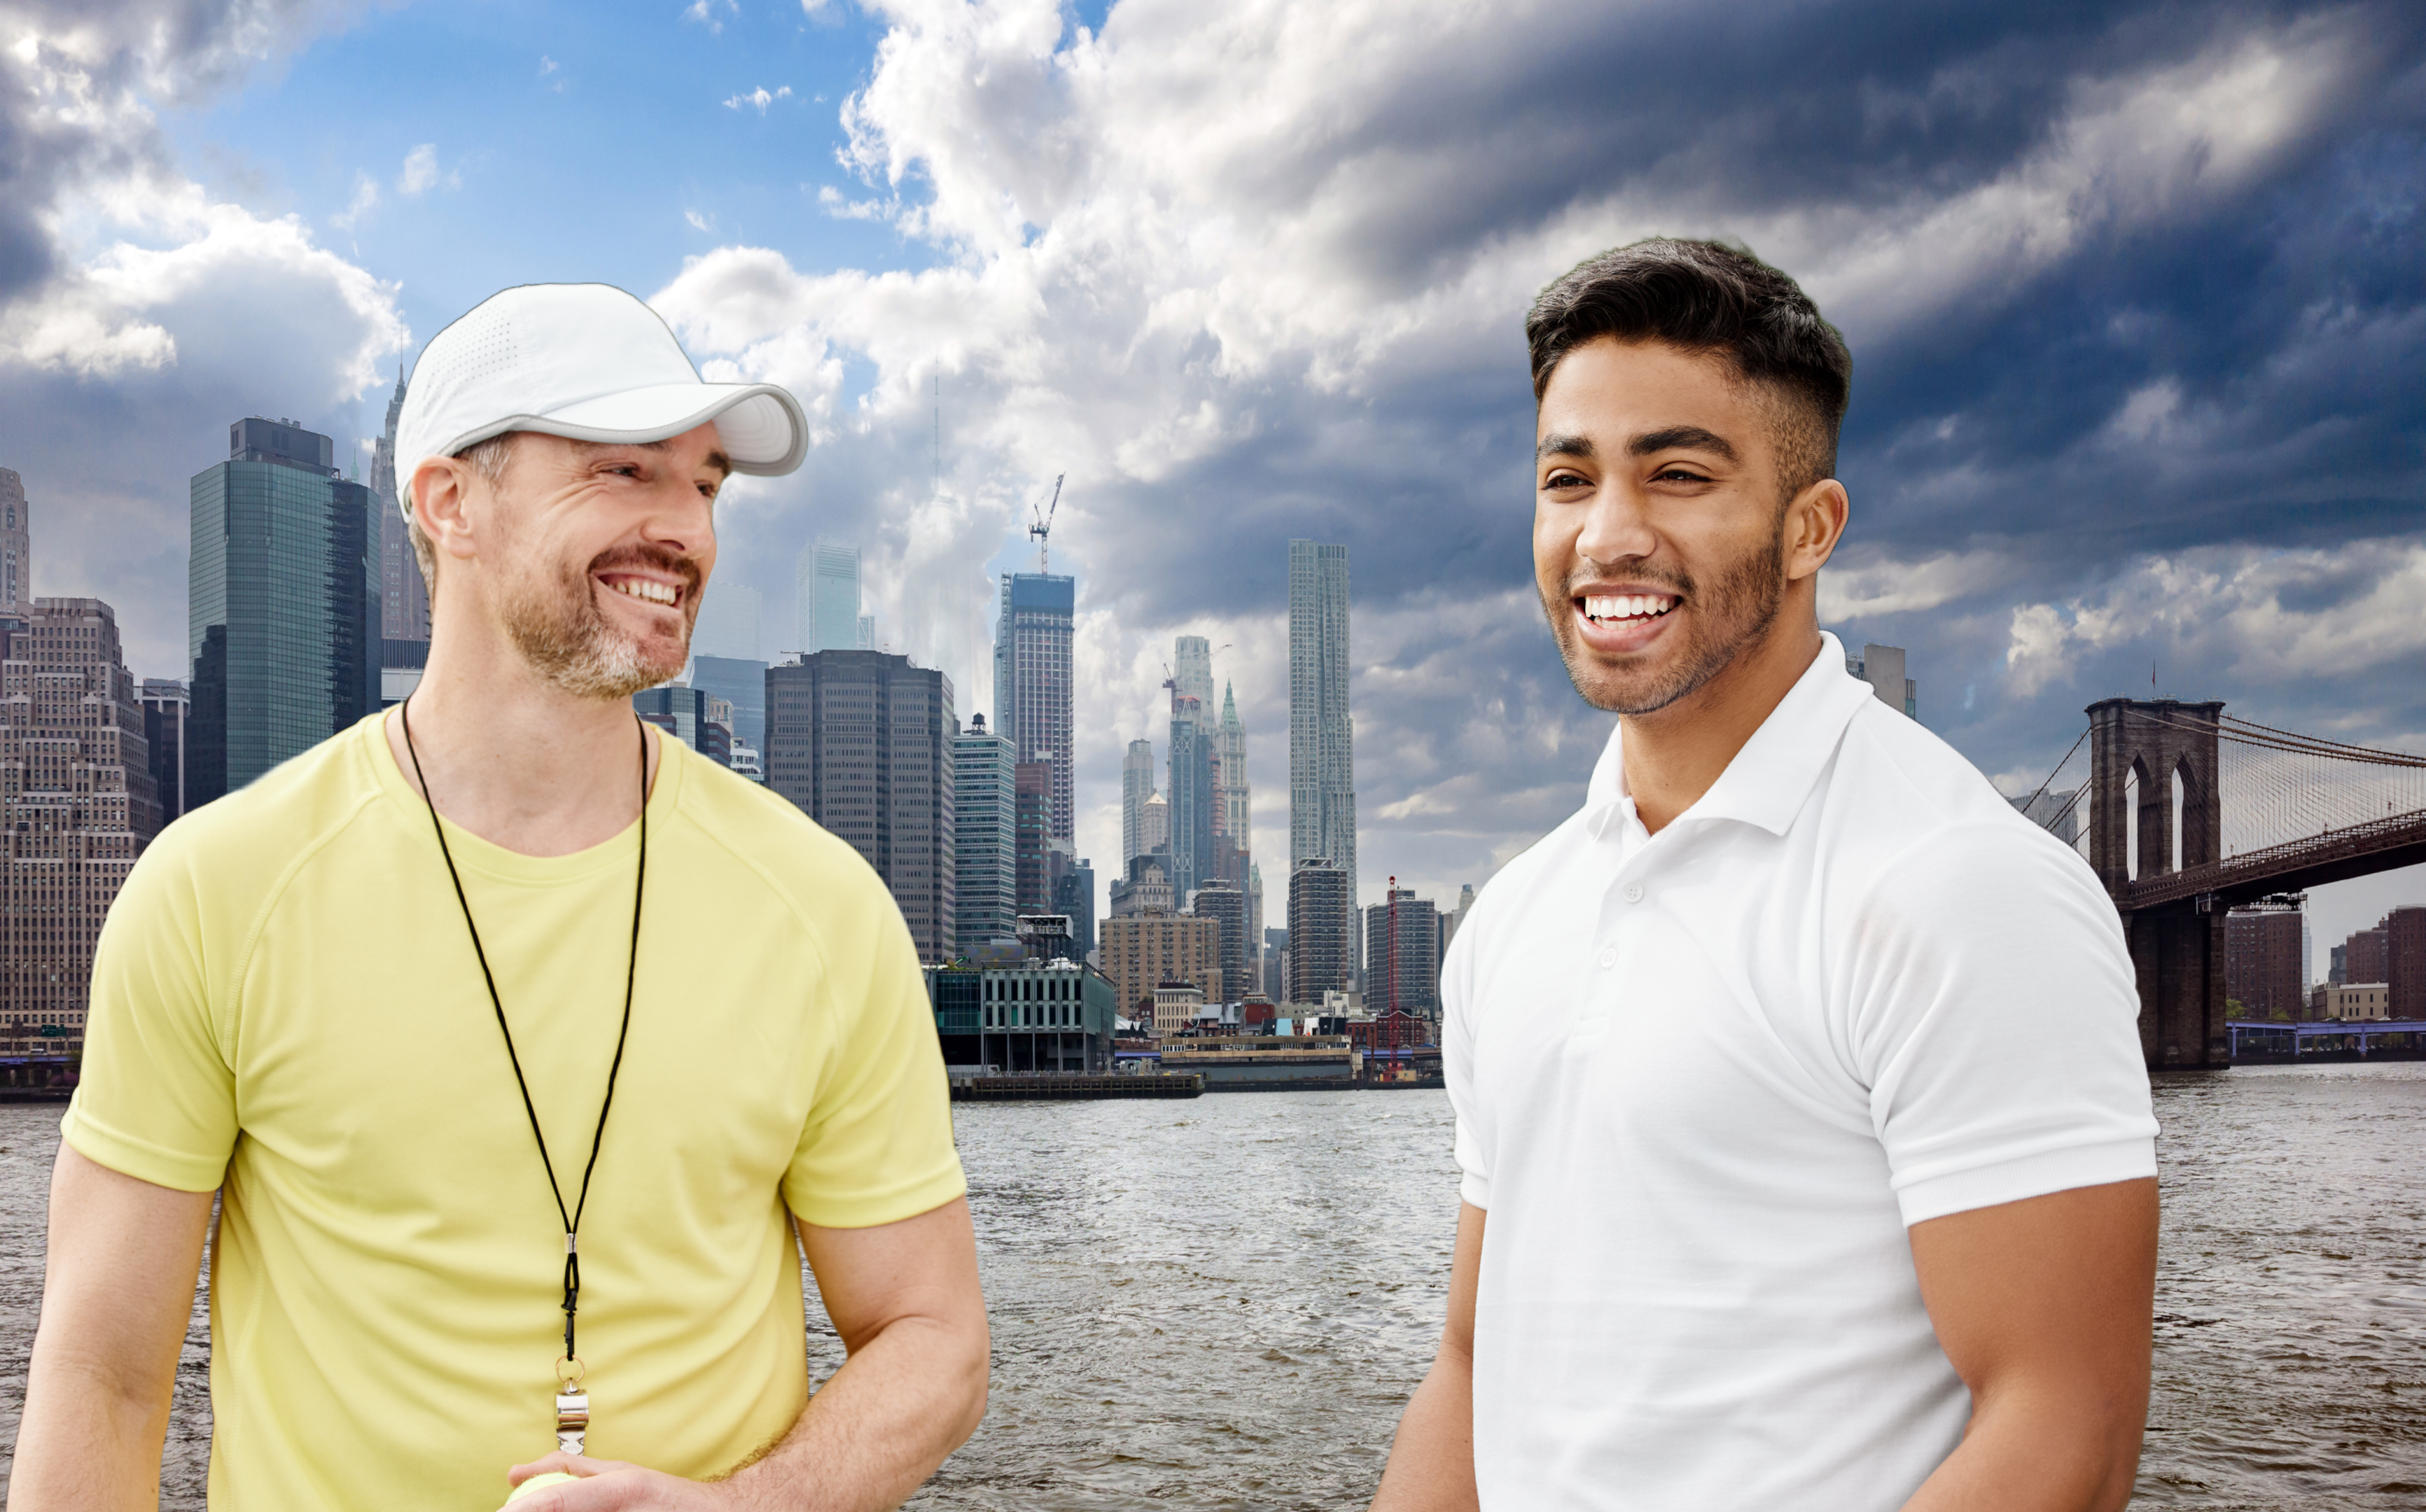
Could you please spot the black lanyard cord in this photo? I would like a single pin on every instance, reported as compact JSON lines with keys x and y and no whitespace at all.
{"x":631,"y":970}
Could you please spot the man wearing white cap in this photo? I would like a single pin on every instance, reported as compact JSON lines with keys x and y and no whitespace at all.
{"x":520,"y":1046}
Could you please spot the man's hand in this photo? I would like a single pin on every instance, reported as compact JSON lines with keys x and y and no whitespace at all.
{"x":611,"y":1483}
{"x":116,"y":1299}
{"x":1431,"y":1461}
{"x":904,"y":1299}
{"x":2043,"y":1308}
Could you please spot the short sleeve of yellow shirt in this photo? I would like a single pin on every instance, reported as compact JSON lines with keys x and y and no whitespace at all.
{"x":286,"y":1007}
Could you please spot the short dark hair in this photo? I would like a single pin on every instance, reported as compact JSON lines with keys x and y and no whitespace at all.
{"x":1705,"y":297}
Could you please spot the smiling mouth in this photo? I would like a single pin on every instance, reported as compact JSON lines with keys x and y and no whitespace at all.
{"x":646,"y":590}
{"x":1626,"y":608}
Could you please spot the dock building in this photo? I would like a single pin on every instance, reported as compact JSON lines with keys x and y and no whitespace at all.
{"x":1035,"y":1016}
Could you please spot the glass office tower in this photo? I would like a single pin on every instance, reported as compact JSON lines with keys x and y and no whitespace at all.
{"x":285,"y":566}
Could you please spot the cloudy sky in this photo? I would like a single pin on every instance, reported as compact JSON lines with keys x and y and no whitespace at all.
{"x":2136,"y":294}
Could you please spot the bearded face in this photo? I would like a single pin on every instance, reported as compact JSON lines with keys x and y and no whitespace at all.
{"x":556,"y":619}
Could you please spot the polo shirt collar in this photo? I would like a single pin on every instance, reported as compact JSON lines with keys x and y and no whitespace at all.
{"x":1771,"y":777}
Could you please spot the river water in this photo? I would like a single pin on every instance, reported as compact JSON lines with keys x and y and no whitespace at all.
{"x":1224,"y":1303}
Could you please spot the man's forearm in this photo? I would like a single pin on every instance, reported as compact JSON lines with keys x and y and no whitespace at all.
{"x":1431,"y":1461}
{"x":2040,"y":1449}
{"x":116,"y":1291}
{"x":878,"y":1428}
{"x":84,"y":1445}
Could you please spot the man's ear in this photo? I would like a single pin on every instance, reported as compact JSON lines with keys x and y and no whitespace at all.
{"x":1815,"y":522}
{"x":441,"y":489}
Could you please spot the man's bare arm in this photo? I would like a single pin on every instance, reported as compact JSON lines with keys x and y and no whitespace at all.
{"x":1431,"y":1461}
{"x":116,"y":1299}
{"x":904,"y":1299}
{"x":2043,"y":1308}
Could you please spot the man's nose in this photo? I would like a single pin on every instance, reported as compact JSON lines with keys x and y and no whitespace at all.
{"x":1616,"y":527}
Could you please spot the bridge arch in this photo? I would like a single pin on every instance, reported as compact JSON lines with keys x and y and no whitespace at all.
{"x":2177,"y":956}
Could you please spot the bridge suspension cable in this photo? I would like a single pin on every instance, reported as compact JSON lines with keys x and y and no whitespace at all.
{"x":2275,"y":786}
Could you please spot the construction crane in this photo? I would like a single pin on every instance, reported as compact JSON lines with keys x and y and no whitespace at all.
{"x":1041,"y":527}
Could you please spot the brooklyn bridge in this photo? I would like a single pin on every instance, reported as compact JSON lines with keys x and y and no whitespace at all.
{"x":2187,"y":813}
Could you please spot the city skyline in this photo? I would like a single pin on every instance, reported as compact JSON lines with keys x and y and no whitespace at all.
{"x":2066,"y":471}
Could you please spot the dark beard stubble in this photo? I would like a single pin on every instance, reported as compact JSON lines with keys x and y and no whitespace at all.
{"x":1743,"y":604}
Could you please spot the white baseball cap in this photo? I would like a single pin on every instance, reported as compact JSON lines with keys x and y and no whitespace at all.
{"x":587,"y":362}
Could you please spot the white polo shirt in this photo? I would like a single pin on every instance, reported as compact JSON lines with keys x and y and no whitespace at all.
{"x":1703,"y":1079}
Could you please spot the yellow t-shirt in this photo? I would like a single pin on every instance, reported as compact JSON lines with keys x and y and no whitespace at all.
{"x":285,"y":1005}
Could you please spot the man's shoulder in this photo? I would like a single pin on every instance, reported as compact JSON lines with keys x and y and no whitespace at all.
{"x":770,"y":836}
{"x":263,"y":829}
{"x":1900,"y":783}
{"x":1537,"y":865}
{"x":1911,"y":824}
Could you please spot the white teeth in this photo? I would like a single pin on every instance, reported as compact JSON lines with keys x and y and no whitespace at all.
{"x":643,"y":589}
{"x":1627,"y":606}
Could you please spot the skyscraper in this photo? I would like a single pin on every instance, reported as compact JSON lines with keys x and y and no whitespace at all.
{"x":165,"y":704}
{"x":1881,"y":668}
{"x":1403,"y":943}
{"x":743,"y":684}
{"x":1032,"y":680}
{"x":16,"y":546}
{"x":1230,"y":775}
{"x":1321,"y":922}
{"x":1154,"y":825}
{"x":985,"y":837}
{"x":827,"y":576}
{"x":284,"y":564}
{"x":404,"y":599}
{"x":1032,"y":837}
{"x":862,"y":743}
{"x":1191,"y":668}
{"x":694,"y":716}
{"x":1190,"y":795}
{"x":76,"y":807}
{"x":1074,"y":894}
{"x":1226,"y":905}
{"x":1322,"y":778}
{"x":1137,"y":785}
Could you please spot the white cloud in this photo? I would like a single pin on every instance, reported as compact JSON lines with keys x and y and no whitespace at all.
{"x":1883,"y":585}
{"x":366,"y":199}
{"x":704,"y":13}
{"x":152,"y":313}
{"x":420,"y":173}
{"x":758,"y":99}
{"x":841,"y":207}
{"x":698,"y":222}
{"x":1169,"y":247}
{"x":2255,"y":616}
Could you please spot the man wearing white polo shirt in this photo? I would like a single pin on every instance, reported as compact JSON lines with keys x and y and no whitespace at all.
{"x":1806,"y":1146}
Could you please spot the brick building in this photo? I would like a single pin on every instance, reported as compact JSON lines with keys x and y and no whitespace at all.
{"x":2404,"y":962}
{"x":2363,"y":959}
{"x":2261,"y":963}
{"x":1142,"y":951}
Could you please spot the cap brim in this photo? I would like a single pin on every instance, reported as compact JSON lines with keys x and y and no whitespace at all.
{"x":760,"y":427}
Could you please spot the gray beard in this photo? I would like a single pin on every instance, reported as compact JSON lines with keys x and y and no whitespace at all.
{"x":561,"y":631}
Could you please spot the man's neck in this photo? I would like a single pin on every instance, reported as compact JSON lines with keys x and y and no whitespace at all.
{"x":516,"y":759}
{"x":1672,"y":756}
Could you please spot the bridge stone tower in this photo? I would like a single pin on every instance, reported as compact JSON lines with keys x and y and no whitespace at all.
{"x":2176,"y":948}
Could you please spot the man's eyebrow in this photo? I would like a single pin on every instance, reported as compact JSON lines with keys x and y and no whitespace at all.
{"x":716,"y":459}
{"x":1692,"y":436}
{"x":1557,"y":445}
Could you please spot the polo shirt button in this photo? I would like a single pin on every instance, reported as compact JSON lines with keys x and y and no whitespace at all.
{"x":1633,"y":892}
{"x":1607,"y":960}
